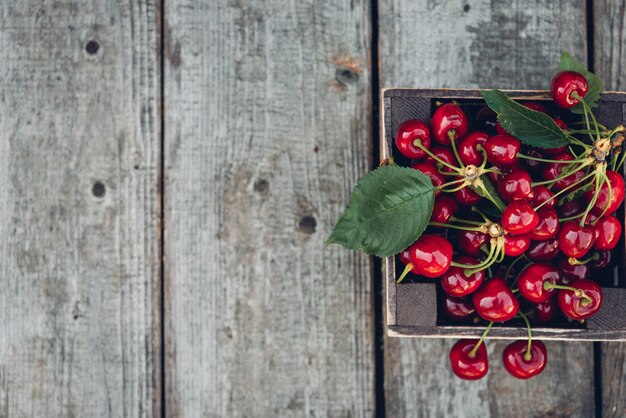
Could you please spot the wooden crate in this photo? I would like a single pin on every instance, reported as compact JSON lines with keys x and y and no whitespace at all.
{"x":412,"y":307}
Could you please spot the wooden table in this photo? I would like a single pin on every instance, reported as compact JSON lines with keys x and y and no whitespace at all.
{"x":169,"y":171}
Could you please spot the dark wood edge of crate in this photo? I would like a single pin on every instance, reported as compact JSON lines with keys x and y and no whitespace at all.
{"x":602,"y":327}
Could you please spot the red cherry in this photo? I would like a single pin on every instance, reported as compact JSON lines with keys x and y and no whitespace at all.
{"x":519,"y":218}
{"x":457,"y":309}
{"x":617,"y":187}
{"x":575,"y":240}
{"x":502,"y":150}
{"x":468,"y":150}
{"x":470,"y":242}
{"x":571,"y":208}
{"x":608,"y":231}
{"x":444,"y":208}
{"x":455,"y":283}
{"x":431,"y":171}
{"x":404,"y":257}
{"x":444,"y":154}
{"x":531,"y":279}
{"x":466,"y":196}
{"x":564,"y":84}
{"x":410,"y":132}
{"x":548,"y":224}
{"x":448,"y":117}
{"x":605,"y":260}
{"x":518,"y":364}
{"x":516,"y":186}
{"x":570,"y":273}
{"x":545,"y":311}
{"x":533,"y":165}
{"x":516,"y":245}
{"x":554,"y":170}
{"x":494,"y":301}
{"x":466,"y":366}
{"x":543,"y":250}
{"x":431,"y":255}
{"x":577,"y":307}
{"x":543,"y":194}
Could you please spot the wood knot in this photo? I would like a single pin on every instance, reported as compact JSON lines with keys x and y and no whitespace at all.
{"x":307,"y":224}
{"x":92,"y":47}
{"x":98,"y":189}
{"x":346,"y":76}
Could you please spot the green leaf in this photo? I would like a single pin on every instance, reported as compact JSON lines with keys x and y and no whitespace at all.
{"x":533,"y":128}
{"x":569,"y":63}
{"x":388,"y":211}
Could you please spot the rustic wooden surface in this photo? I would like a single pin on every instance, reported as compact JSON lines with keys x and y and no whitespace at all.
{"x":80,"y":333}
{"x":609,"y":63}
{"x":266,"y":110}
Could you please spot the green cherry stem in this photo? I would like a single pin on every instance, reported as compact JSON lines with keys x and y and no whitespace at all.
{"x":407,"y":270}
{"x":472,"y":353}
{"x":454,"y":218}
{"x":419,"y":145}
{"x":579,"y":293}
{"x":588,"y":111}
{"x":452,"y":136}
{"x":489,"y":259}
{"x":593,"y":200}
{"x":527,"y":355}
{"x":605,"y":179}
{"x":562,"y":176}
{"x":575,"y":262}
{"x":462,"y":228}
{"x":564,"y":190}
{"x":508,"y":270}
{"x":545,"y":160}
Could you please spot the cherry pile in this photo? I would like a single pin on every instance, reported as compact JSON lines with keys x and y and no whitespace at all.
{"x":516,"y":232}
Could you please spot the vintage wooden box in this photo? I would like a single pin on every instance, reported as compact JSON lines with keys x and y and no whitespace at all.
{"x":412,"y":309}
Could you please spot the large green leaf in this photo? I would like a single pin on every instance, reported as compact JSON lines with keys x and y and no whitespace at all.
{"x":569,"y":63}
{"x":531,"y":127}
{"x":389,"y":209}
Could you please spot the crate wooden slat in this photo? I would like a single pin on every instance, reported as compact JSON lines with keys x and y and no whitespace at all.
{"x":412,"y":307}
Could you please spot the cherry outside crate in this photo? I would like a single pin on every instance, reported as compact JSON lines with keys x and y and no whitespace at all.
{"x":412,"y":307}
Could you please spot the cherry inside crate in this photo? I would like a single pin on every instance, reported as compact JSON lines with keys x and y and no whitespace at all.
{"x":413,"y":306}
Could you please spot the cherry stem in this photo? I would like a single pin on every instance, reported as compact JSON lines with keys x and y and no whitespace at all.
{"x":528,"y":354}
{"x":588,"y":111}
{"x":492,"y":250}
{"x":419,"y":145}
{"x":455,"y":189}
{"x":454,"y":218}
{"x":472,"y":353}
{"x":593,"y":201}
{"x":481,"y":213}
{"x":545,"y":160}
{"x":562,"y":176}
{"x":564,"y":190}
{"x":575,"y":262}
{"x":579,"y":293}
{"x":462,"y":228}
{"x":497,"y":257}
{"x":496,"y":201}
{"x":452,"y":137}
{"x":508,"y":270}
{"x":605,"y":179}
{"x":406,"y":271}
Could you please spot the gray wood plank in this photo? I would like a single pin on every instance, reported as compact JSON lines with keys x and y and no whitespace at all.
{"x":609,"y":65}
{"x":79,"y":172}
{"x":480,"y":44}
{"x":268,"y":109}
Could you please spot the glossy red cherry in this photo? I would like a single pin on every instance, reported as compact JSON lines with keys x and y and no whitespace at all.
{"x":431,"y":171}
{"x":515,"y":245}
{"x":502,"y":150}
{"x":466,"y":196}
{"x":469,"y":242}
{"x":522,"y":364}
{"x":543,"y":194}
{"x":543,"y":250}
{"x":468,"y":150}
{"x":516,"y":186}
{"x":548,"y":224}
{"x":444,"y":208}
{"x":570,"y":208}
{"x":431,"y":255}
{"x":464,"y":364}
{"x":444,"y":154}
{"x":455,"y":283}
{"x":410,"y":132}
{"x":608,"y":231}
{"x":576,"y":306}
{"x":519,"y":218}
{"x":457,"y":309}
{"x":552,"y":171}
{"x":575,"y":240}
{"x":530,"y":282}
{"x":446,"y":118}
{"x":494,"y":301}
{"x":564,"y":84}
{"x":545,"y":311}
{"x":570,"y":273}
{"x":602,"y":201}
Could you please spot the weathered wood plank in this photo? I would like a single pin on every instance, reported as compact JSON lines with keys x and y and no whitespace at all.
{"x":480,"y":44}
{"x":79,"y":175}
{"x":609,"y":65}
{"x":267,"y":128}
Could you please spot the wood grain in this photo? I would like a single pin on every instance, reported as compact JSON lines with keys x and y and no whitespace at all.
{"x":79,"y":171}
{"x":461,"y":44}
{"x":609,"y":63}
{"x":267,"y":128}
